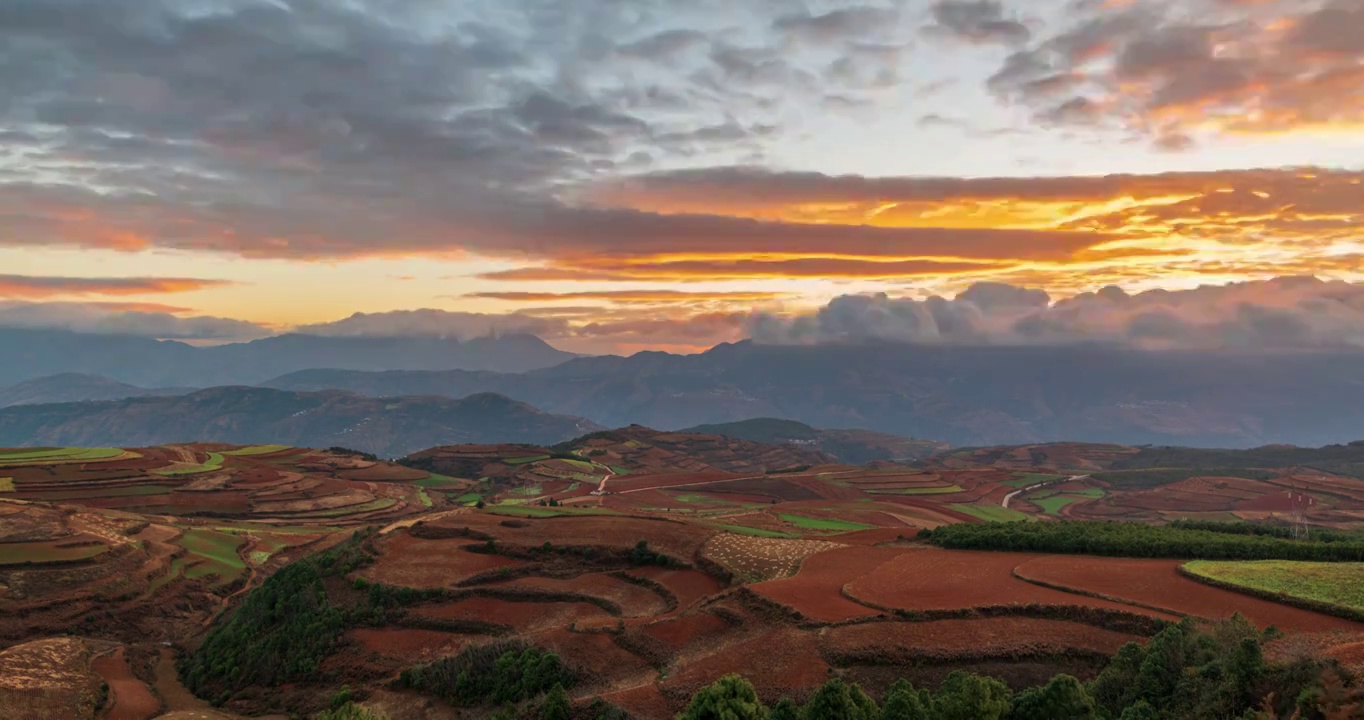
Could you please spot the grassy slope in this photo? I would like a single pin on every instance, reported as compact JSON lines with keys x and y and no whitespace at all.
{"x":823,"y":524}
{"x":1335,"y":583}
{"x":990,"y":513}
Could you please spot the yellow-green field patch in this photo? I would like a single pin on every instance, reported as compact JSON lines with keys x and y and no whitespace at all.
{"x":257,"y":450}
{"x":6,"y":484}
{"x":214,"y":462}
{"x":27,"y":456}
{"x":1340,"y":584}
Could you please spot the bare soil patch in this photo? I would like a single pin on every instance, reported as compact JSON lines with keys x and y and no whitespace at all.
{"x":129,"y":697}
{"x":817,"y":590}
{"x":406,"y":561}
{"x":1158,"y":583}
{"x":968,"y":639}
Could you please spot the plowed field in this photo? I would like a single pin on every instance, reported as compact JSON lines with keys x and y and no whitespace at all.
{"x":419,"y":563}
{"x":974,"y":639}
{"x":1158,"y":583}
{"x":931,"y":579}
{"x":816,"y":591}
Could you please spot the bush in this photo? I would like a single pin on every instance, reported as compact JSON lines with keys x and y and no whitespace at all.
{"x":503,"y":672}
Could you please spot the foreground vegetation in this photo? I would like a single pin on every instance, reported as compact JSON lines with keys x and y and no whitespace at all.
{"x":1192,"y":540}
{"x":1184,"y":672}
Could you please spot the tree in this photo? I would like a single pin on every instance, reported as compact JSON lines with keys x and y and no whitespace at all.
{"x":903,"y":702}
{"x":1115,"y":687}
{"x":967,"y":696}
{"x":729,"y":698}
{"x":837,"y":700}
{"x":1064,"y":698}
{"x":1141,"y":710}
{"x":557,"y":706}
{"x":785,"y":709}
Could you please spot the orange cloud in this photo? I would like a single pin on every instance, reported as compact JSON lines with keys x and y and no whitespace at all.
{"x":36,"y":286}
{"x":626,"y":297}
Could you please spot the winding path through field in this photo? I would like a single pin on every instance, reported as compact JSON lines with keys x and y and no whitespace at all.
{"x":1005,"y":503}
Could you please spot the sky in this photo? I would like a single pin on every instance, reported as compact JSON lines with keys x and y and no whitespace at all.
{"x":621,"y":175}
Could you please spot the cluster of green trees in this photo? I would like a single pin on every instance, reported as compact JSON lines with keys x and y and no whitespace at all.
{"x":1182,"y":673}
{"x":337,"y":449}
{"x":497,"y":673}
{"x":640,"y":554}
{"x":1209,"y":541}
{"x":283,"y":630}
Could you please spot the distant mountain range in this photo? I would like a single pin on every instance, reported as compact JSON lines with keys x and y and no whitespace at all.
{"x":75,"y":387}
{"x":966,"y":396}
{"x":855,"y":447}
{"x":29,"y":354}
{"x":961,"y":395}
{"x":389,"y":427}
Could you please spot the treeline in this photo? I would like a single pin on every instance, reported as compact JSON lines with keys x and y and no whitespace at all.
{"x":284,"y":629}
{"x":1345,"y":460}
{"x":498,"y":673}
{"x":1182,"y":673}
{"x":1203,"y":541}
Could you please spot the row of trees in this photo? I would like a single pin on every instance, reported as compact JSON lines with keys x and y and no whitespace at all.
{"x":1211,"y":541}
{"x":1182,"y":673}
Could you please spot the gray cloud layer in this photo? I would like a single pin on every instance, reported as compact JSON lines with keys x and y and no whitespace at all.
{"x":1284,"y":313}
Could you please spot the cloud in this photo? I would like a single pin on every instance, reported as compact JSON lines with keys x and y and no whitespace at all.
{"x":126,"y":319}
{"x":434,"y":323}
{"x":1239,"y":68}
{"x":35,"y":286}
{"x":627,"y":297}
{"x":976,"y":21}
{"x":1286,"y":313}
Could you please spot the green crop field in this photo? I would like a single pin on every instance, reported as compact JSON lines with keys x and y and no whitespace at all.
{"x":544,"y":512}
{"x":1052,"y":505}
{"x":990,"y":513}
{"x":529,"y":491}
{"x":437,"y":482}
{"x":215,"y":553}
{"x":214,"y":462}
{"x":822,"y":523}
{"x":28,"y":456}
{"x":424,"y":498}
{"x":466,"y":498}
{"x":941,"y":490}
{"x":371,"y":506}
{"x":20,"y":553}
{"x":97,"y":492}
{"x":1340,"y":584}
{"x":525,"y":460}
{"x":257,"y":450}
{"x":1023,"y":480}
{"x":6,"y":484}
{"x":583,"y":465}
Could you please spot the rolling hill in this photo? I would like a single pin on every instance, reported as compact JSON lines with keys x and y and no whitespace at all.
{"x":28,"y":354}
{"x":388,"y":427}
{"x":855,"y":447}
{"x":75,"y":387}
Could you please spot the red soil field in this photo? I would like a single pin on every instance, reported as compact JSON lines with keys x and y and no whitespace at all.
{"x":778,"y":660}
{"x":418,"y":563}
{"x":1158,"y":583}
{"x":815,"y":591}
{"x":634,"y":600}
{"x":410,"y":645}
{"x":674,"y":538}
{"x":876,"y":536}
{"x":641,"y":701}
{"x":627,"y":483}
{"x":932,"y":579}
{"x":523,"y":616}
{"x":130,"y":698}
{"x":684,"y":630}
{"x":595,"y":654}
{"x":385,"y":473}
{"x":1001,"y":637}
{"x":688,"y":585}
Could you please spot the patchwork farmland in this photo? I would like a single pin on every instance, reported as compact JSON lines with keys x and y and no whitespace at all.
{"x":649,"y":571}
